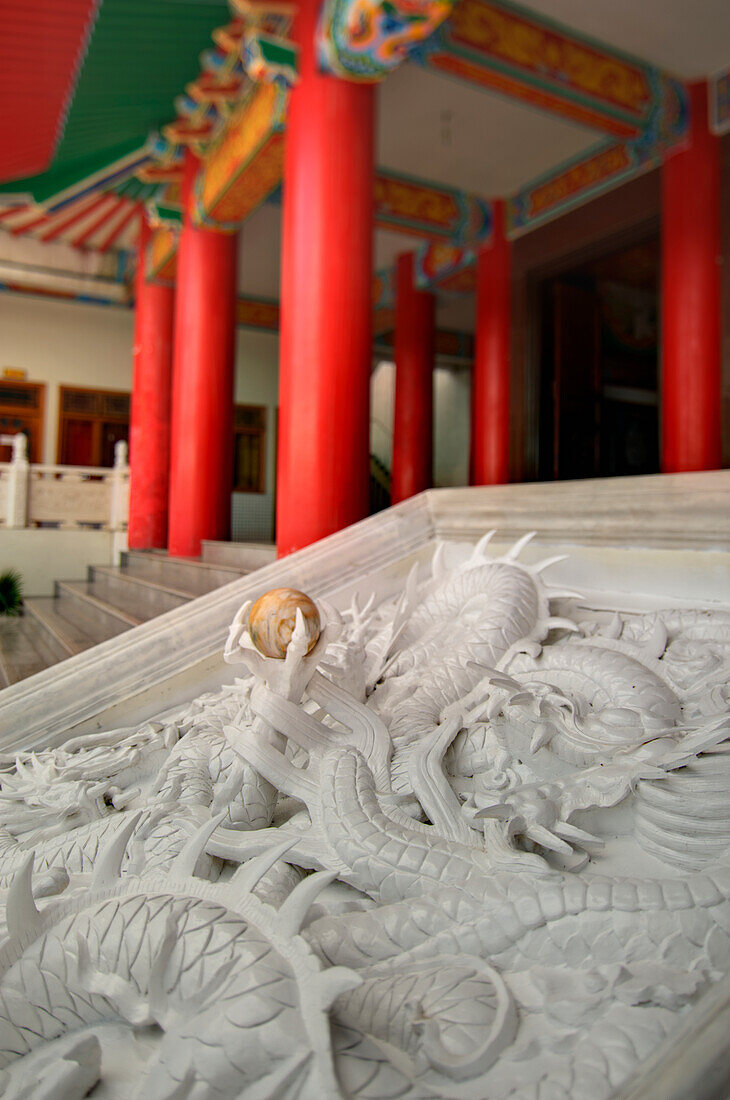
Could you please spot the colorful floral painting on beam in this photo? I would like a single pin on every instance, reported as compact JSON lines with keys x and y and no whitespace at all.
{"x":423,"y":209}
{"x":604,"y":167}
{"x":245,"y":167}
{"x":518,"y":54}
{"x":436,"y":265}
{"x":367,"y":39}
{"x":162,"y":256}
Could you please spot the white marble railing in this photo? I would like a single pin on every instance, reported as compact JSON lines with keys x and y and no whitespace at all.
{"x":63,"y":496}
{"x":671,"y":511}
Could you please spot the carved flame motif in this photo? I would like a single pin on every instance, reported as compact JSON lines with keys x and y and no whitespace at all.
{"x":469,"y":842}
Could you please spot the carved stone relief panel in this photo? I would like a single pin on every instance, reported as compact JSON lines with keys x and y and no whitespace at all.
{"x":467,"y":842}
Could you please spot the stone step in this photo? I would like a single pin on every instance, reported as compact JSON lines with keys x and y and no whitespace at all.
{"x":76,"y":603}
{"x":143,"y":599}
{"x":244,"y":556}
{"x":181,"y":574}
{"x":26,"y":647}
{"x":74,"y":634}
{"x":113,"y":599}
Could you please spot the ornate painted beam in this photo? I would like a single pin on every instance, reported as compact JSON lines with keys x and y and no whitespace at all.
{"x":245,"y":168}
{"x":607,"y":165}
{"x":162,"y":255}
{"x":246,"y":165}
{"x":499,"y":46}
{"x":450,"y":268}
{"x":424,"y":209}
{"x":455,"y":344}
{"x":592,"y":173}
{"x":242,"y":166}
{"x":494,"y":43}
{"x":366,"y":40}
{"x":439,"y":266}
{"x":506,"y":49}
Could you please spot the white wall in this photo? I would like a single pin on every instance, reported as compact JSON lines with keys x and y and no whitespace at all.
{"x":451,"y":394}
{"x":382,"y":404}
{"x":65,"y":343}
{"x":76,"y":344}
{"x":44,"y":556}
{"x":451,"y":426}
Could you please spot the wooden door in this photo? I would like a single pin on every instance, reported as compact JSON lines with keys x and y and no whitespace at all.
{"x":21,"y":410}
{"x":576,"y":381}
{"x":249,"y":449}
{"x":90,"y":423}
{"x":78,"y":443}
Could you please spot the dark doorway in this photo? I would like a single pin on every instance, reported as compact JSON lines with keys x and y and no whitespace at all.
{"x":599,"y":399}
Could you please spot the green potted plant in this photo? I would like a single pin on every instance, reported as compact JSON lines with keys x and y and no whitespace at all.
{"x":11,"y":592}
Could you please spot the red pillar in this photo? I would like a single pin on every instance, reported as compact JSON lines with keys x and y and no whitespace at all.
{"x":691,"y":428}
{"x":201,"y":456}
{"x":413,"y":419}
{"x":490,"y":424}
{"x":149,"y":434}
{"x":326,"y":301}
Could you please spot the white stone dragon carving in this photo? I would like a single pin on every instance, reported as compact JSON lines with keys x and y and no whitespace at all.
{"x":475,"y":843}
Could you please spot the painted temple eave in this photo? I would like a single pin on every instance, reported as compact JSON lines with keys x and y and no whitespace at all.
{"x":638,"y":112}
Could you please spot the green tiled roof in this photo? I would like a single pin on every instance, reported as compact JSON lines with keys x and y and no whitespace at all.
{"x":140,"y":56}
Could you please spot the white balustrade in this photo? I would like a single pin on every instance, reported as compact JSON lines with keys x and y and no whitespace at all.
{"x":63,"y":496}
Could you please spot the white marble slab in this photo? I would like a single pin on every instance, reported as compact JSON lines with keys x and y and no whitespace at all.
{"x":686,"y":517}
{"x":509,"y":774}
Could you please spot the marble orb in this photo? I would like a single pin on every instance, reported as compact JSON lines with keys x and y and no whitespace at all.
{"x":272,"y":619}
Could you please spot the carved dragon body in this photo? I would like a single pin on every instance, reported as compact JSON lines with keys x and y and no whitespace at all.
{"x":417,"y":807}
